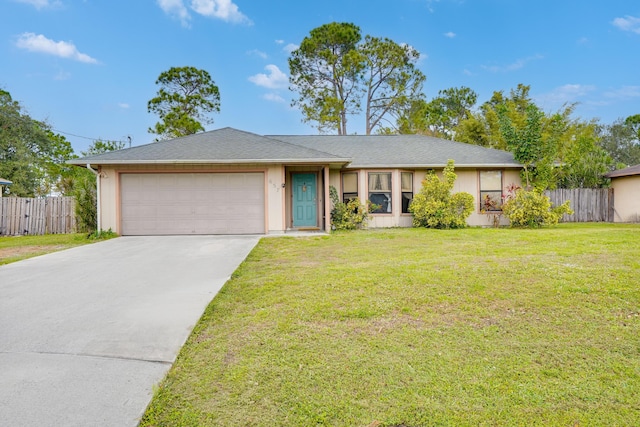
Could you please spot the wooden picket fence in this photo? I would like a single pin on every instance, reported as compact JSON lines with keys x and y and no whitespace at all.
{"x":50,"y":215}
{"x":588,"y":204}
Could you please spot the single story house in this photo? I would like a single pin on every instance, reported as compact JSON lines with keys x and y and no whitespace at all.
{"x":626,"y":188}
{"x":229,"y":181}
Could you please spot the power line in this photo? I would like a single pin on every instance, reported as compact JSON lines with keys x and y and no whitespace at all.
{"x":86,"y":137}
{"x":27,"y":119}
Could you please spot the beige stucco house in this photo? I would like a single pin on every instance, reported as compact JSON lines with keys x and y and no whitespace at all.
{"x":229,"y":181}
{"x":626,"y":189}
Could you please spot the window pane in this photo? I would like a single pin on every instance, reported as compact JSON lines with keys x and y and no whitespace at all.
{"x":406,"y":200}
{"x":349,"y":196}
{"x":380,"y":191}
{"x":407,"y":181}
{"x":491,"y":200}
{"x":382,"y":201}
{"x":379,"y":181}
{"x":349,"y":182}
{"x":491,"y":180}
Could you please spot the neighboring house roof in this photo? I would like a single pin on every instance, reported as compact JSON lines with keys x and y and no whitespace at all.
{"x":630,"y":171}
{"x":408,"y":151}
{"x":227,"y":146}
{"x":5,"y":181}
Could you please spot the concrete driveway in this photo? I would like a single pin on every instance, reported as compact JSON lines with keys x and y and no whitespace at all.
{"x":86,"y":333}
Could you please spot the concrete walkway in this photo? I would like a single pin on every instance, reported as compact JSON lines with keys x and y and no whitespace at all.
{"x":86,"y":333}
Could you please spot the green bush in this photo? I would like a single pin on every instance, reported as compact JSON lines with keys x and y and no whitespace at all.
{"x":532,"y":209}
{"x":435,"y":207}
{"x":348,"y":216}
{"x":84,"y":191}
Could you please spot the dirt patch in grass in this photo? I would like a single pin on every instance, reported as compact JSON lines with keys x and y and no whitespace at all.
{"x":21,"y":251}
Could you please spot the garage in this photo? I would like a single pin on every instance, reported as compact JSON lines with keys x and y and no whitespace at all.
{"x":192,"y":203}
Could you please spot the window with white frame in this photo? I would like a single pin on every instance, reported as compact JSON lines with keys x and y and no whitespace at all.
{"x":490,"y":191}
{"x":406,"y":182}
{"x":349,"y":186}
{"x":380,"y":191}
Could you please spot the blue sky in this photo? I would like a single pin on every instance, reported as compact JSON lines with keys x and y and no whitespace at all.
{"x":88,"y":67}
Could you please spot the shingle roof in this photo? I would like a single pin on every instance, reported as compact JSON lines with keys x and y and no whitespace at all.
{"x":631,"y":170}
{"x":229,"y":145}
{"x":403,"y":151}
{"x":225,"y":145}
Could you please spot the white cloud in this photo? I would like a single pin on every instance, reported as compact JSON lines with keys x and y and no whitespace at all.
{"x":279,"y":41}
{"x":62,"y":75}
{"x":176,"y":8}
{"x":276,"y":79}
{"x":257,"y":52}
{"x":628,"y":23}
{"x":290,"y":47}
{"x":450,"y":34}
{"x":518,"y":64}
{"x":124,"y":105}
{"x":568,"y":93}
{"x":41,"y":44}
{"x":274,"y":97}
{"x":40,"y":4}
{"x":221,"y":9}
{"x":225,"y":10}
{"x":623,"y":93}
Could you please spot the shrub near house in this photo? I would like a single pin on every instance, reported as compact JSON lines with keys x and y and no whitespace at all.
{"x":435,"y":207}
{"x":532,"y":209}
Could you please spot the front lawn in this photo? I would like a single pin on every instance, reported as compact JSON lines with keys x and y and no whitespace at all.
{"x":16,"y":248}
{"x":414,"y":327}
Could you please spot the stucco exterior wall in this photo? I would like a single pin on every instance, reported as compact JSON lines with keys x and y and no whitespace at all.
{"x":626,"y":193}
{"x":275,"y":198}
{"x":467,"y":181}
{"x":277,"y":207}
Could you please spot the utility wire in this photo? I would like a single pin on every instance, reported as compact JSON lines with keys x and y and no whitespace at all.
{"x":86,"y":137}
{"x":28,"y":119}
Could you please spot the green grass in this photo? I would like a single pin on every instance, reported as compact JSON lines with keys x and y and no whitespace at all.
{"x":16,"y":248}
{"x":412,"y":327}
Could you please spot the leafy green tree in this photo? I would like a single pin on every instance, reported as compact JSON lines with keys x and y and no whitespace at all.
{"x":391,"y":78}
{"x":326,"y":72}
{"x":621,"y":142}
{"x":449,"y":109}
{"x":186,"y":96}
{"x":31,"y":155}
{"x":634,"y":123}
{"x":335,"y":74}
{"x":524,"y":142}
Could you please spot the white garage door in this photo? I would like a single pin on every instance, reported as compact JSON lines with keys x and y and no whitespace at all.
{"x":192,"y":203}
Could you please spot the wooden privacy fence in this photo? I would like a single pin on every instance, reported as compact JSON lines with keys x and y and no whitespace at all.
{"x":588,"y":204}
{"x":50,"y":215}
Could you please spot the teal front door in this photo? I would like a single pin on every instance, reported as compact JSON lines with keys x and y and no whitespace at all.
{"x":305,"y":206}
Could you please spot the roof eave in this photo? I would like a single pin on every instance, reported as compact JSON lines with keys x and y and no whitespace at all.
{"x":435,"y":166}
{"x":81,"y":162}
